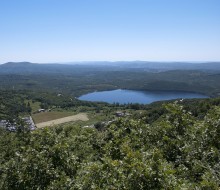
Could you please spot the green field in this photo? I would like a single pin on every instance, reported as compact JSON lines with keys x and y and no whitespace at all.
{"x":35,"y":106}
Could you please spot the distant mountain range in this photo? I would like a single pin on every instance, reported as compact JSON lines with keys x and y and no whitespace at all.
{"x":27,"y":67}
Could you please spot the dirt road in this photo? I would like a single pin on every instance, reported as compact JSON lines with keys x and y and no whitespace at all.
{"x":78,"y":117}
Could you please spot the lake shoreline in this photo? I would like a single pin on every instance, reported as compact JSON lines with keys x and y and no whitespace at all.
{"x":126,"y":96}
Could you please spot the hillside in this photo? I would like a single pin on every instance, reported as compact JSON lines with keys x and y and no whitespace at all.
{"x":178,"y":150}
{"x":164,"y":145}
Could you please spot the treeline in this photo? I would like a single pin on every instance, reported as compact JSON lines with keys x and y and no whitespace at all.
{"x":12,"y":104}
{"x":176,"y":151}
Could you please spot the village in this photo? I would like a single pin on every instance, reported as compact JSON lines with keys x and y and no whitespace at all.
{"x":13,"y":126}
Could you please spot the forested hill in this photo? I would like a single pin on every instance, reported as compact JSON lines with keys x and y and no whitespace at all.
{"x":27,"y":67}
{"x":34,"y":68}
{"x":80,"y":79}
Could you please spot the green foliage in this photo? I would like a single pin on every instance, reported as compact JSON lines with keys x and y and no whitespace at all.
{"x":176,"y":151}
{"x":78,"y":80}
{"x":12,"y":104}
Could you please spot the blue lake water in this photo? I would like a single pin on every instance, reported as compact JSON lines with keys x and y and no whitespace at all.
{"x":133,"y":96}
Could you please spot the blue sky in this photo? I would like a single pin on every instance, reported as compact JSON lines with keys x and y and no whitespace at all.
{"x":111,"y":30}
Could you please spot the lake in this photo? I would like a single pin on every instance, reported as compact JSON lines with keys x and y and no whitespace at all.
{"x":133,"y":96}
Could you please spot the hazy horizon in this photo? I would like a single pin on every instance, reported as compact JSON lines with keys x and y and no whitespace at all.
{"x":47,"y":31}
{"x":120,"y":61}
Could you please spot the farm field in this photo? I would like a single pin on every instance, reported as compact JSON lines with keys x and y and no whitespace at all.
{"x":47,"y":116}
{"x":77,"y":117}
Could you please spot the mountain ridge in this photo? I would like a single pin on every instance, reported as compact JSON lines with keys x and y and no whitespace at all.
{"x":29,"y":67}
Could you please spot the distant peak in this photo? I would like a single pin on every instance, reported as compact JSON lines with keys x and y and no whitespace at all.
{"x":24,"y":63}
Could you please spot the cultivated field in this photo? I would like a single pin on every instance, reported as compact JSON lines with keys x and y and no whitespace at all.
{"x":47,"y":116}
{"x":78,"y":117}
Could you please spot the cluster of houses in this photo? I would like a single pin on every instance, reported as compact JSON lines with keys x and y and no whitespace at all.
{"x":122,"y":114}
{"x":43,"y":110}
{"x":7,"y":125}
{"x":28,"y":122}
{"x":106,"y":123}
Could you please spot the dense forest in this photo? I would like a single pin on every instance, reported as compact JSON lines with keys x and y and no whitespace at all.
{"x":175,"y":151}
{"x":164,"y":145}
{"x":80,"y":79}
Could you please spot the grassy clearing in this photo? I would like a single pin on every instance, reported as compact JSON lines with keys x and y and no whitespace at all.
{"x":48,"y":116}
{"x":35,"y":106}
